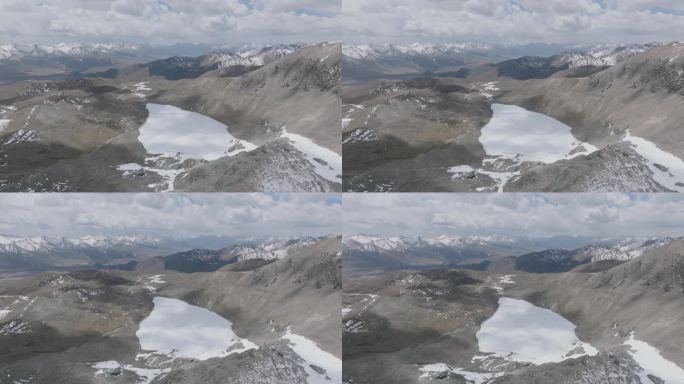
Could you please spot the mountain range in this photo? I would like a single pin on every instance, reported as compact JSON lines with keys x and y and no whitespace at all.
{"x":34,"y":254}
{"x":372,"y":254}
{"x":603,"y":97}
{"x":275,"y":107}
{"x":91,"y":326}
{"x":434,"y":325}
{"x":27,"y":61}
{"x":468,"y":60}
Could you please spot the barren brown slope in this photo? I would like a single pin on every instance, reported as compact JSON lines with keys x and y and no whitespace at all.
{"x":299,"y":91}
{"x":643,"y":94}
{"x":644,"y":295}
{"x":302,"y":291}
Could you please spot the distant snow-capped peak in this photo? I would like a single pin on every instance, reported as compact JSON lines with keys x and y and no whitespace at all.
{"x":602,"y":55}
{"x":13,"y":244}
{"x":251,"y":55}
{"x":623,"y":250}
{"x":359,"y":51}
{"x":20,"y":51}
{"x":270,"y":250}
{"x":366,"y":51}
{"x":369,"y":243}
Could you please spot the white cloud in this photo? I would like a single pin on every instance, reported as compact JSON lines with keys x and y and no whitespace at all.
{"x":169,"y":21}
{"x":508,"y":21}
{"x":184,"y":215}
{"x":538,"y":215}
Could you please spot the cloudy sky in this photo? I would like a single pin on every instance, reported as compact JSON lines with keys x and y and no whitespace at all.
{"x":183,"y":215}
{"x":377,"y":21}
{"x":169,"y":21}
{"x":526,"y":215}
{"x":512,"y":21}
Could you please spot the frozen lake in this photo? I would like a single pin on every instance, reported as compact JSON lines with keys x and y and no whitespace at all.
{"x":177,"y":328}
{"x":516,"y":133}
{"x":170,"y":130}
{"x":180,"y":330}
{"x":520,"y":331}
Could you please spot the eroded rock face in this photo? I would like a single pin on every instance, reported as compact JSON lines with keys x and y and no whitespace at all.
{"x":615,"y":168}
{"x":272,"y":363}
{"x":605,"y":368}
{"x":276,"y":166}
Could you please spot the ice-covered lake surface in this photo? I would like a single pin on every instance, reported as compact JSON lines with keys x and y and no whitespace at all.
{"x":516,"y":133}
{"x":179,"y":329}
{"x":170,"y":130}
{"x":171,"y":134}
{"x":176,"y":329}
{"x":520,"y":331}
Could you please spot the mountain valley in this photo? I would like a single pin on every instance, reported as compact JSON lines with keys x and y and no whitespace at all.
{"x":591,"y":323}
{"x":278,"y":108}
{"x":109,"y":326}
{"x":616,"y":107}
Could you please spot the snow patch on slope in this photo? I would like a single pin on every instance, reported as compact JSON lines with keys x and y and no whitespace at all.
{"x":140,"y":88}
{"x":326,"y":162}
{"x":146,"y":375}
{"x":650,"y":359}
{"x":668,"y":169}
{"x":431,"y":370}
{"x":314,"y":355}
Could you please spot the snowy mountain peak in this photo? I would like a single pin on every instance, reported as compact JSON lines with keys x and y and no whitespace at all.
{"x":370,"y":243}
{"x":369,"y":51}
{"x":255,"y":56}
{"x":270,"y":250}
{"x":20,"y":51}
{"x":359,"y":51}
{"x":604,"y":55}
{"x":13,"y":244}
{"x":623,"y":250}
